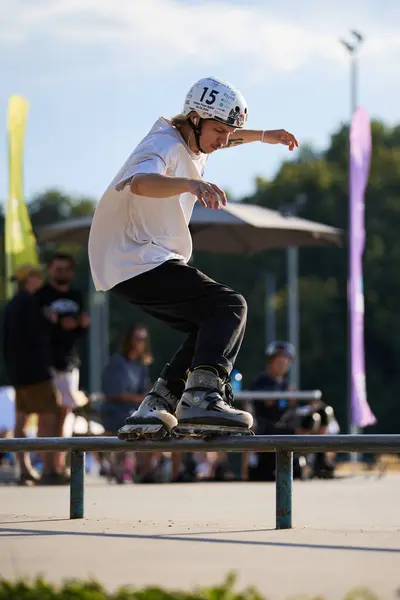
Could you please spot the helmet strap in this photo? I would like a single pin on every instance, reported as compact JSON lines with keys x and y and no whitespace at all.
{"x":197,"y":132}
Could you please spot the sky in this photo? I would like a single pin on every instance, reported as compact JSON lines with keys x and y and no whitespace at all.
{"x":98,"y":73}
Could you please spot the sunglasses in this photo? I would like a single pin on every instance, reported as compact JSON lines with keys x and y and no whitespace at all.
{"x":139,"y":337}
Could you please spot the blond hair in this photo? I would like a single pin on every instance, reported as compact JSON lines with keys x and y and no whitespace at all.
{"x":179,"y":120}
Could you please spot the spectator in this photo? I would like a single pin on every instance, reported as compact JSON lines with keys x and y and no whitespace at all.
{"x":320,"y":419}
{"x":269,"y":412}
{"x":64,"y":309}
{"x":279,"y":357}
{"x":27,"y":357}
{"x":125,"y":384}
{"x":325,"y":462}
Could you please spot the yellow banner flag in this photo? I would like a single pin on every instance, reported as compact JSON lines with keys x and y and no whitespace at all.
{"x":20,"y":242}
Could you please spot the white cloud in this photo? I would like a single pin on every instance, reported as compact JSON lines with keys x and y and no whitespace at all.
{"x":257,"y":37}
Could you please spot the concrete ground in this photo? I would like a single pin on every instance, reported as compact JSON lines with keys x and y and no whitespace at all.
{"x":346,"y":534}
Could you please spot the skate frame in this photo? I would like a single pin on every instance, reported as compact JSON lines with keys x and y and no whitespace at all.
{"x":156,"y":431}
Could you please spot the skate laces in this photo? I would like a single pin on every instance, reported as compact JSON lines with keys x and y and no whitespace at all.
{"x":228,"y":390}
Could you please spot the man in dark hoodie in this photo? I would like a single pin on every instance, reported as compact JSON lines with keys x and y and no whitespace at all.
{"x":27,"y":357}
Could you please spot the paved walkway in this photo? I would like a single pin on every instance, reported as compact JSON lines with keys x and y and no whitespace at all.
{"x":346,"y":534}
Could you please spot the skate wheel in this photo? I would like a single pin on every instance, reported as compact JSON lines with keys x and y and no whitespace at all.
{"x":132,"y":433}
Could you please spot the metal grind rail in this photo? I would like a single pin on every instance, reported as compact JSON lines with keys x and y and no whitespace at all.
{"x":283,"y":446}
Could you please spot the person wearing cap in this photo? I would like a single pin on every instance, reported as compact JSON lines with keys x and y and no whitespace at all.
{"x":27,"y":357}
{"x":279,"y":357}
{"x":268,"y":413}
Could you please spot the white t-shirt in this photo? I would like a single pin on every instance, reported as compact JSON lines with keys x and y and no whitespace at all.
{"x":132,"y":234}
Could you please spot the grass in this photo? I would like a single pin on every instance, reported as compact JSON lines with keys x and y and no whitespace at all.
{"x":39,"y":589}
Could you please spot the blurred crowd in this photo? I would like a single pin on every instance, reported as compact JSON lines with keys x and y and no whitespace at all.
{"x":41,"y":328}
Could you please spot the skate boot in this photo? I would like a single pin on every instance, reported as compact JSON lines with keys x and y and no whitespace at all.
{"x":205,"y":409}
{"x":154,"y":418}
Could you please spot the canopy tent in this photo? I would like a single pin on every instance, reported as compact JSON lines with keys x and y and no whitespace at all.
{"x":236,"y":229}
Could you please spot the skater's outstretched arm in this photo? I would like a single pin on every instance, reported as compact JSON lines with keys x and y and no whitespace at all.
{"x":154,"y":185}
{"x":275,"y":136}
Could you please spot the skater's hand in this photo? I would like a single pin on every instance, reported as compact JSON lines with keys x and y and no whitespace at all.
{"x":208,"y":194}
{"x":281,"y":136}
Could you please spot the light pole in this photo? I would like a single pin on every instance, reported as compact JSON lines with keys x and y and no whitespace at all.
{"x":270,"y":310}
{"x":292,"y":258}
{"x":98,"y":336}
{"x":353,"y":50}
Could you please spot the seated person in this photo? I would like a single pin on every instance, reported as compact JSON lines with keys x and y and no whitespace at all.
{"x":125,"y":382}
{"x":279,"y":357}
{"x":318,"y":419}
{"x":269,"y":413}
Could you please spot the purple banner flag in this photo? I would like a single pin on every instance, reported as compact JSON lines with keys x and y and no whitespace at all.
{"x":360,"y":158}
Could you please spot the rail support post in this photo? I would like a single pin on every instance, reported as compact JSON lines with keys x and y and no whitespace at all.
{"x":284,"y":481}
{"x":77,"y":485}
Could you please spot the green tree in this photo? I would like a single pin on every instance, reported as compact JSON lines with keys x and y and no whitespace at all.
{"x":53,"y":206}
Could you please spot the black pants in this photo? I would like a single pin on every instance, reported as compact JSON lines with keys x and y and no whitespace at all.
{"x":211,"y":314}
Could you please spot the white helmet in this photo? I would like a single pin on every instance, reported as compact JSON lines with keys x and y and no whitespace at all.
{"x":216,"y":99}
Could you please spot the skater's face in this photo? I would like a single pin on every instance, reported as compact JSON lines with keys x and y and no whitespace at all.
{"x":279,"y":365}
{"x":214,"y":135}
